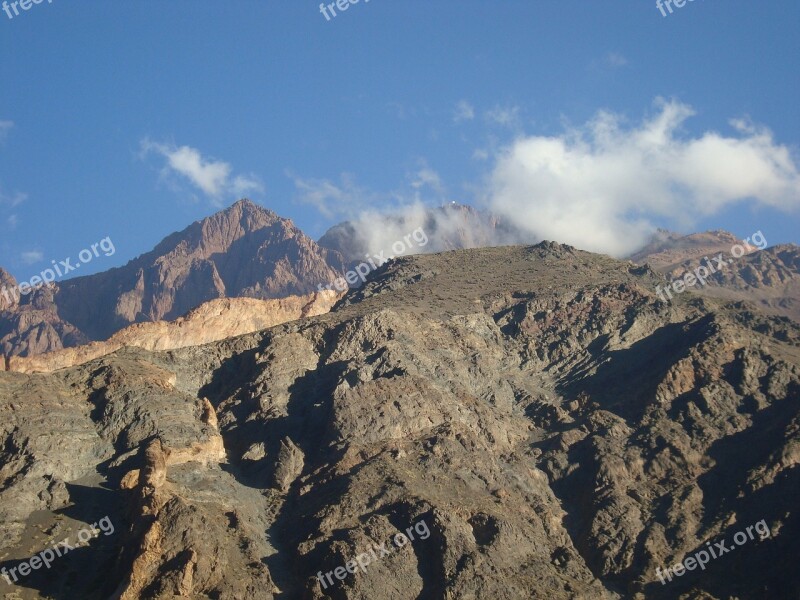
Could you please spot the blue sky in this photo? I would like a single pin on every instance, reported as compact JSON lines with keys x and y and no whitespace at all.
{"x":133,"y":119}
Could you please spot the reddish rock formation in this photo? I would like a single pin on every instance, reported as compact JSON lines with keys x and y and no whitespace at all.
{"x":243,"y":251}
{"x":210,"y":322}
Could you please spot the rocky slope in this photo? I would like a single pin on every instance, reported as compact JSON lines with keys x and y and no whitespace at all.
{"x":556,"y":429}
{"x":34,"y":326}
{"x":668,"y":250}
{"x":209,"y":322}
{"x":768,"y":278}
{"x":243,"y":251}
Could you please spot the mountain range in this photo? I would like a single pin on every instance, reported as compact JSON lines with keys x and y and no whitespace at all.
{"x":507,"y":422}
{"x":247,"y":251}
{"x":244,"y":251}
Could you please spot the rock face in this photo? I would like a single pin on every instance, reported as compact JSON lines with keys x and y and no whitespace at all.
{"x":519,"y":422}
{"x":210,"y":322}
{"x":244,"y":251}
{"x":7,"y":282}
{"x":668,"y":250}
{"x":768,"y":278}
{"x":34,"y":326}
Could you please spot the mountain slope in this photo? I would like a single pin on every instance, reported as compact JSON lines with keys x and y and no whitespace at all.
{"x":210,"y":322}
{"x":243,"y":251}
{"x":537,"y":419}
{"x":768,"y":278}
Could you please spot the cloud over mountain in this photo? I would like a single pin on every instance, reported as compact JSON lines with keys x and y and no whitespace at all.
{"x":603,"y":186}
{"x":212,"y":177}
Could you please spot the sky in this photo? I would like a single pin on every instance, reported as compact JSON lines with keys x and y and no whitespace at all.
{"x":586,"y":122}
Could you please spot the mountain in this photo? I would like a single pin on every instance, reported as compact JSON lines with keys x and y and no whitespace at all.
{"x":767,"y":277}
{"x":509,"y":422}
{"x":33,"y":326}
{"x":667,"y":250}
{"x":210,"y":322}
{"x":243,"y":251}
{"x":249,"y":251}
{"x":770,"y":279}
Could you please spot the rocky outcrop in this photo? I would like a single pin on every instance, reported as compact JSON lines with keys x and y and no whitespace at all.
{"x":210,"y":322}
{"x":289,"y":466}
{"x":768,"y":278}
{"x":8,"y":299}
{"x":243,"y":251}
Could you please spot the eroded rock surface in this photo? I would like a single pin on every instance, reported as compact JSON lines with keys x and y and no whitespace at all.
{"x":768,"y":278}
{"x":210,"y":322}
{"x":243,"y":251}
{"x":559,"y":430}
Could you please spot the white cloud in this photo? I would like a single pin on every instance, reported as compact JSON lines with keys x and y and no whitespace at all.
{"x":602,"y":186}
{"x":212,"y":177}
{"x":507,"y":116}
{"x":12,"y":199}
{"x":464,"y":111}
{"x":32,"y":256}
{"x":609,"y":62}
{"x":8,"y":202}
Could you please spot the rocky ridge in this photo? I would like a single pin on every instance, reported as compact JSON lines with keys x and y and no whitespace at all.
{"x":210,"y":322}
{"x":561,"y":430}
{"x":768,"y":278}
{"x":243,"y":251}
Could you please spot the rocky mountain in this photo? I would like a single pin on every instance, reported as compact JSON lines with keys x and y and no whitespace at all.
{"x":668,"y":250}
{"x":768,"y":277}
{"x":515,"y":422}
{"x":243,"y":251}
{"x":209,"y":322}
{"x":33,"y":326}
{"x":7,"y":281}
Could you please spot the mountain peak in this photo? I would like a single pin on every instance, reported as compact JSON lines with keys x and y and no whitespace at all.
{"x":244,"y":250}
{"x":247,"y":212}
{"x":247,"y":205}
